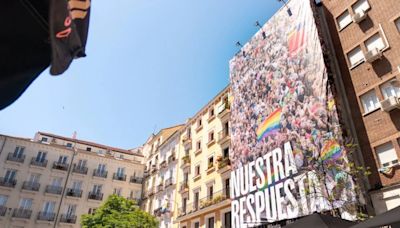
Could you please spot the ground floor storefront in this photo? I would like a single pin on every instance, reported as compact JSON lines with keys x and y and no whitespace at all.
{"x":386,"y":198}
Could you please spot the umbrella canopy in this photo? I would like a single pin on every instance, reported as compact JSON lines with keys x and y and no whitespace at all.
{"x":318,"y":220}
{"x":391,"y":217}
{"x":36,"y":34}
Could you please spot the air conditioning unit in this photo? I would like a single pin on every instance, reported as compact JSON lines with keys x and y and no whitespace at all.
{"x":373,"y":55}
{"x":390,"y":103}
{"x":360,"y":16}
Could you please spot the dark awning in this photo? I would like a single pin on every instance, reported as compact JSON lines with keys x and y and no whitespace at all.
{"x":391,"y":217}
{"x":319,"y":220}
{"x":36,"y":34}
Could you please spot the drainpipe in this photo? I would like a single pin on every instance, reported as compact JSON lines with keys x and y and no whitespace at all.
{"x":75,"y":152}
{"x":2,"y":146}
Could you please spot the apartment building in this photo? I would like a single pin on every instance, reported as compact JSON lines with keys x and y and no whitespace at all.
{"x":366,"y":39}
{"x":159,"y":192}
{"x":204,"y":167}
{"x":49,"y":181}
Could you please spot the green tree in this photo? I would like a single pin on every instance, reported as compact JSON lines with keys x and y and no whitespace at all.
{"x":119,"y":212}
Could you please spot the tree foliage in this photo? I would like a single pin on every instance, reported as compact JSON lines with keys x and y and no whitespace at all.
{"x":119,"y":212}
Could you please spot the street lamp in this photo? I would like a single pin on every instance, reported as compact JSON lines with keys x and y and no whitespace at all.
{"x":257,"y":24}
{"x":288,"y":9}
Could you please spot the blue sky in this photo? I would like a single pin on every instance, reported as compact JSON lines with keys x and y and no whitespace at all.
{"x":150,"y":64}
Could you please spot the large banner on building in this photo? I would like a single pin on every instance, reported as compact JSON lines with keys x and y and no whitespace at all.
{"x":287,"y":152}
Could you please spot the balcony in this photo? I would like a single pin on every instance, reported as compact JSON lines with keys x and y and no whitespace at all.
{"x":60,"y":166}
{"x":119,"y":177}
{"x":95,"y":196}
{"x":151,"y":191}
{"x":100,"y":173}
{"x":7,"y":182}
{"x":186,"y":161}
{"x":187,"y":141}
{"x":223,"y":136}
{"x":210,"y":168}
{"x":184,"y":187}
{"x":224,"y":109}
{"x":3,"y":211}
{"x":39,"y":163}
{"x":80,"y":169}
{"x":171,"y":158}
{"x":168,"y":182}
{"x":30,"y":186}
{"x":52,"y":189}
{"x":22,"y":213}
{"x":197,"y":152}
{"x":224,"y":164}
{"x":46,"y":216}
{"x":160,"y":187}
{"x":77,"y":193}
{"x":137,"y":180}
{"x":210,"y":200}
{"x":163,"y":164}
{"x":16,"y":158}
{"x":210,"y":142}
{"x":71,"y":219}
{"x":153,"y":169}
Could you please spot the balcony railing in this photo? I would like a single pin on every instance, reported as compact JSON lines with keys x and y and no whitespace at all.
{"x":184,"y":186}
{"x":223,"y":135}
{"x":30,"y":186}
{"x":95,"y":196}
{"x":186,"y":160}
{"x":163,"y":164}
{"x":15,"y":158}
{"x":3,"y":210}
{"x":22,"y":213}
{"x":171,"y":158}
{"x":52,"y":189}
{"x":168,"y":182}
{"x":80,"y":169}
{"x":210,"y":200}
{"x":224,"y":162}
{"x":120,"y":177}
{"x":153,"y":169}
{"x":46,"y":216}
{"x":7,"y":182}
{"x":74,"y":192}
{"x":60,"y":166}
{"x":65,"y":218}
{"x":160,"y":187}
{"x":100,"y":173}
{"x":40,"y":163}
{"x":223,"y":108}
{"x":134,"y":179}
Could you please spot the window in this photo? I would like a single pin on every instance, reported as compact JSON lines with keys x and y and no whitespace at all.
{"x":198,"y":145}
{"x":69,"y":145}
{"x":375,"y":42}
{"x":227,"y":187}
{"x":44,"y":139}
{"x":211,"y":113}
{"x":10,"y":175}
{"x":57,"y":181}
{"x":226,"y":152}
{"x":197,"y":170}
{"x":196,"y":200}
{"x":88,"y":149}
{"x":210,"y":192}
{"x":77,"y":185}
{"x":211,"y":136}
{"x":188,"y":133}
{"x":71,"y":210}
{"x":184,"y":202}
{"x":41,"y":156}
{"x":62,"y":159}
{"x":3,"y":200}
{"x":48,"y":207}
{"x":97,"y":188}
{"x":197,"y":225}
{"x":101,"y":168}
{"x":210,"y":222}
{"x":34,"y":178}
{"x":227,"y":220}
{"x":344,"y":19}
{"x":117,"y":191}
{"x":369,"y":101}
{"x":18,"y":152}
{"x":361,"y":6}
{"x":25,"y":203}
{"x":82,"y":163}
{"x":355,"y":56}
{"x":186,"y":177}
{"x":120,"y":172}
{"x":387,"y":155}
{"x":397,"y":22}
{"x":210,"y":162}
{"x":389,"y":89}
{"x":226,"y":128}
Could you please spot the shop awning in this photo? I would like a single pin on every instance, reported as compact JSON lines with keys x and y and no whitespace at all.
{"x":319,"y":220}
{"x":391,"y":218}
{"x":36,"y":34}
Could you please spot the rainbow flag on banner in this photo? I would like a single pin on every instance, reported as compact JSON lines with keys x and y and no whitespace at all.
{"x":331,"y":150}
{"x":296,"y":39}
{"x":270,"y":125}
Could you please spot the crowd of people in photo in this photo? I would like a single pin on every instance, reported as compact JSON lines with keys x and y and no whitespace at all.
{"x":268,"y":74}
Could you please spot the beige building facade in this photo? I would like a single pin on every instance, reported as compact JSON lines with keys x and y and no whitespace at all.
{"x":50,"y":181}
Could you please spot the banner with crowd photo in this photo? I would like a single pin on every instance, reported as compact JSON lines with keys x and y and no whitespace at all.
{"x":288,"y":156}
